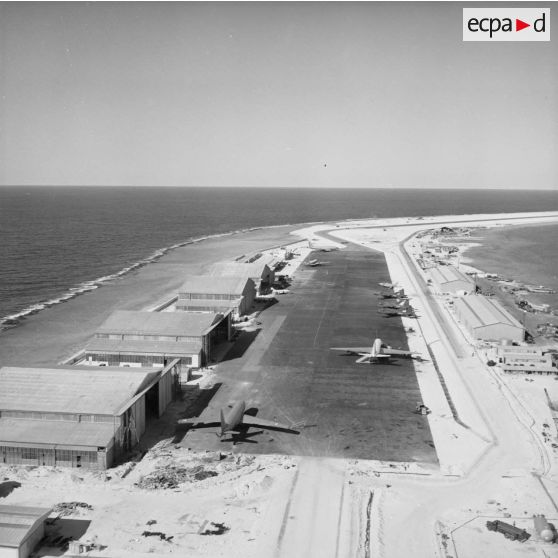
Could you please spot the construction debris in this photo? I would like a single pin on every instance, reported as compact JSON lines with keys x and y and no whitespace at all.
{"x":68,"y":508}
{"x":172,"y":476}
{"x":162,"y":536}
{"x":215,"y":529}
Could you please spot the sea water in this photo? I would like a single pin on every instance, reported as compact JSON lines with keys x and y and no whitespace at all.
{"x":58,"y":242}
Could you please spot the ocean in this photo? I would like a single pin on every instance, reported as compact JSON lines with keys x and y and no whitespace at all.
{"x":527,"y":254}
{"x":59,"y":242}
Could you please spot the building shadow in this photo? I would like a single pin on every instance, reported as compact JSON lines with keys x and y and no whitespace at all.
{"x":241,"y":345}
{"x":7,"y":487}
{"x":58,"y":534}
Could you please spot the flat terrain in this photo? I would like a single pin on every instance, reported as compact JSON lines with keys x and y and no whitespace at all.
{"x":289,"y":374}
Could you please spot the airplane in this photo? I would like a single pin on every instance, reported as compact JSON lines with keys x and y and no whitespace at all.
{"x":396,"y":294}
{"x":375,"y":354}
{"x":238,"y":421}
{"x":409,"y":312}
{"x":396,"y":304}
{"x":314,"y":263}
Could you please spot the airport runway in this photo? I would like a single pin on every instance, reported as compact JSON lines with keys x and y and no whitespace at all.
{"x":289,"y":374}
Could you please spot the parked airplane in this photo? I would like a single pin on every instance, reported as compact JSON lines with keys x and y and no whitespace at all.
{"x":388,"y":285}
{"x":238,"y":421}
{"x":377,"y":353}
{"x":409,"y":312}
{"x":396,"y":304}
{"x":395,"y":294}
{"x":315,"y":263}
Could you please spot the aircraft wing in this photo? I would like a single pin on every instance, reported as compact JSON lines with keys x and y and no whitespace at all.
{"x":359,"y":351}
{"x":195,"y":425}
{"x":249,"y":420}
{"x":397,"y":352}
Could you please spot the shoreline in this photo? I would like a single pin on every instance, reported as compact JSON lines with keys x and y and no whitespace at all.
{"x":59,"y":330}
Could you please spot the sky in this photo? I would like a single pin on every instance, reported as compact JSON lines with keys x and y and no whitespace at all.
{"x":286,"y":94}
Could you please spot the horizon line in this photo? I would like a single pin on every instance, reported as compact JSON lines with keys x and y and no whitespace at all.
{"x":472,"y":188}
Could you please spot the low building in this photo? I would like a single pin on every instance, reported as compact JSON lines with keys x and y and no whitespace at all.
{"x":448,"y":279}
{"x":130,"y":338}
{"x":485,"y":319}
{"x":207,"y":293}
{"x":77,"y":416}
{"x":528,"y":359}
{"x":21,"y":529}
{"x":258,"y":271}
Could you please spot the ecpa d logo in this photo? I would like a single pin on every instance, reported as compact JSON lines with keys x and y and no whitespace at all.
{"x":506,"y":24}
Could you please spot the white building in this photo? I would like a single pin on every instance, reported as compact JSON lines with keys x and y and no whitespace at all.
{"x":208,"y":293}
{"x":77,"y":416}
{"x":21,"y":529}
{"x":485,"y":319}
{"x":258,"y":271}
{"x":448,"y":279}
{"x":129,"y":338}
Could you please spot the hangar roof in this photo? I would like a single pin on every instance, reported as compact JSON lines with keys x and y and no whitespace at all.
{"x":16,"y":522}
{"x":238,"y":269}
{"x":209,"y":284}
{"x":158,"y":323}
{"x":482,"y":311}
{"x":447,"y":274}
{"x":144,"y":347}
{"x":204,"y":303}
{"x":56,"y":432}
{"x":77,"y":389}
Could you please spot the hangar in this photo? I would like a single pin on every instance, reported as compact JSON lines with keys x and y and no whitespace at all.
{"x":21,"y":529}
{"x":129,"y":338}
{"x":484,"y":318}
{"x":78,"y":416}
{"x":448,"y":279}
{"x":207,"y":293}
{"x":262,"y":275}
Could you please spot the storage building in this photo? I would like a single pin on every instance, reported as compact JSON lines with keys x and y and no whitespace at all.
{"x":207,"y":293}
{"x":79,"y":416}
{"x":448,"y":279}
{"x":528,"y":359}
{"x":258,"y":271}
{"x":130,"y":338}
{"x":484,"y":318}
{"x":21,"y":529}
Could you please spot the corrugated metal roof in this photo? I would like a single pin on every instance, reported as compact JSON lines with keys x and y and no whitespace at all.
{"x":56,"y":432}
{"x":144,"y":347}
{"x":17,"y":521}
{"x":78,"y":389}
{"x":482,"y":311}
{"x":207,"y":303}
{"x":158,"y":323}
{"x":447,"y":274}
{"x":239,"y":269}
{"x":208,"y":284}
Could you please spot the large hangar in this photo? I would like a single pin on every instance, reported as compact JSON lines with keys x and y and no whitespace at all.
{"x":207,"y":293}
{"x":485,"y":319}
{"x":448,"y":279}
{"x":79,"y":416}
{"x":21,"y":529}
{"x":129,"y":338}
{"x":262,"y":275}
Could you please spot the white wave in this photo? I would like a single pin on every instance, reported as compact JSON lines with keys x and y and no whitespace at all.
{"x":87,"y":286}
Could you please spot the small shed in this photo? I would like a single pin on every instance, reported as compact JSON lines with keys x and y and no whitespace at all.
{"x":21,"y":529}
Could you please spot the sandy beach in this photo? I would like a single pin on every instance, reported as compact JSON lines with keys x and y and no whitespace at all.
{"x":492,"y":436}
{"x":57,"y":332}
